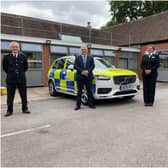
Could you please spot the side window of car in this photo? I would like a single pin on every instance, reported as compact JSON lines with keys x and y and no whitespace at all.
{"x":70,"y":62}
{"x":59,"y":64}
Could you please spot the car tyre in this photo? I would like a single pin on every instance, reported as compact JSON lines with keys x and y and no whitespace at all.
{"x":84,"y":98}
{"x":51,"y":88}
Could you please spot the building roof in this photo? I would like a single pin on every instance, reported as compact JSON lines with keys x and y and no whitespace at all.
{"x":33,"y":27}
{"x":146,"y":30}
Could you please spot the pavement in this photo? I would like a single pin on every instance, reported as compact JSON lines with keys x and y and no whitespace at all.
{"x":117,"y":133}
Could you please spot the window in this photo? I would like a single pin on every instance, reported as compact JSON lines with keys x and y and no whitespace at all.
{"x":70,"y":38}
{"x":34,"y":60}
{"x":59,"y":64}
{"x":96,"y":52}
{"x":70,"y":61}
{"x":74,"y":51}
{"x":5,"y":45}
{"x":33,"y":52}
{"x":109,"y":56}
{"x":128,"y":60}
{"x":57,"y":52}
{"x":163,"y":54}
{"x":109,"y":53}
{"x":31,"y":47}
{"x":164,"y":63}
{"x":59,"y":49}
{"x":102,"y":64}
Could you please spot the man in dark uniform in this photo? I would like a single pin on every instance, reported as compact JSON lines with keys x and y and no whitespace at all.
{"x":15,"y":65}
{"x":84,"y":65}
{"x":149,"y":65}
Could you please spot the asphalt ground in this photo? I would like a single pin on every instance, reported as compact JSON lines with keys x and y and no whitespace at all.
{"x":117,"y":133}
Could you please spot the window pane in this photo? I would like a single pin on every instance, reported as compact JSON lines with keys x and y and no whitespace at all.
{"x":74,"y":50}
{"x":31,"y":47}
{"x":34,"y":60}
{"x":60,"y":64}
{"x":59,"y":49}
{"x":55,"y":56}
{"x":5,"y":45}
{"x":109,"y":53}
{"x":96,"y":52}
{"x":70,"y":38}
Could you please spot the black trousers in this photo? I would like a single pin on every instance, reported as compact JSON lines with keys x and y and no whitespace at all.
{"x":149,"y":85}
{"x":11,"y":88}
{"x":80,"y":86}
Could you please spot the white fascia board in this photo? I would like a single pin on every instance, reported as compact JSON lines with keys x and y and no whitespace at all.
{"x":59,"y":42}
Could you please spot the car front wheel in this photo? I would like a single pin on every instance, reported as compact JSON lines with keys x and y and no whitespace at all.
{"x":84,"y":98}
{"x":51,"y":88}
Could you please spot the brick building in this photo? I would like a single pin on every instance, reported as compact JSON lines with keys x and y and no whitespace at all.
{"x":42,"y":41}
{"x":151,"y":30}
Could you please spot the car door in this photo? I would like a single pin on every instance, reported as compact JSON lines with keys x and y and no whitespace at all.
{"x":58,"y":77}
{"x":70,"y":75}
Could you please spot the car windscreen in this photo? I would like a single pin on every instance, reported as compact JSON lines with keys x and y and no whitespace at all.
{"x":102,"y":64}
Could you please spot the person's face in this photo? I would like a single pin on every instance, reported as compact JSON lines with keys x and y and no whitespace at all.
{"x":84,"y":51}
{"x":14,"y":48}
{"x":150,"y":49}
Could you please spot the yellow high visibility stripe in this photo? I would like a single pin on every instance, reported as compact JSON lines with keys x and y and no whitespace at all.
{"x":57,"y":74}
{"x":63,"y":85}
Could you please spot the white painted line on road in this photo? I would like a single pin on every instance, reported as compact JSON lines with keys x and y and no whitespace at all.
{"x":24,"y":131}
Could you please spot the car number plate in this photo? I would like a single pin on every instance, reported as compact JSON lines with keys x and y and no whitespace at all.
{"x":125,"y":87}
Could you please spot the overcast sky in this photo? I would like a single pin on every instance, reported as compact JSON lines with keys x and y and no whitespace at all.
{"x":72,"y":12}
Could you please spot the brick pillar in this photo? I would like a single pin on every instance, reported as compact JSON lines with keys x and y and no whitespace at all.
{"x":46,"y":63}
{"x":116,"y":59}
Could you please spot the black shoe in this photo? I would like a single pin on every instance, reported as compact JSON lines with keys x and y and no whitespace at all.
{"x":92,"y":107}
{"x":26,"y":111}
{"x":77,"y":108}
{"x":8,"y":114}
{"x":150,"y":104}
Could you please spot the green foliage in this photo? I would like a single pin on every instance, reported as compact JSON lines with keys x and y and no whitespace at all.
{"x":126,"y":11}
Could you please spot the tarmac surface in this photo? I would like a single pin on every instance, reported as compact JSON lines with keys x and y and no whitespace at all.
{"x":116,"y":133}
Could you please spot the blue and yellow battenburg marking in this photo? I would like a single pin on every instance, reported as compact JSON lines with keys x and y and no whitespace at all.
{"x":65,"y":80}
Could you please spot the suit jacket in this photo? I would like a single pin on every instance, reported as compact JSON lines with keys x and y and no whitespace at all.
{"x":15,"y":68}
{"x":79,"y":66}
{"x":151,"y":62}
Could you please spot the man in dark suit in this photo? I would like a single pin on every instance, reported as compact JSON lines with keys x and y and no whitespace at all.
{"x":15,"y":65}
{"x":84,"y":65}
{"x":149,"y":65}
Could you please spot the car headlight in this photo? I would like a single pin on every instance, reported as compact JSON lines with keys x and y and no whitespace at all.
{"x":103,"y":78}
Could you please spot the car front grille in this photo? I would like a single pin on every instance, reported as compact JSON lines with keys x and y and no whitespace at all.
{"x":125,"y":92}
{"x":124,"y":79}
{"x":103,"y":90}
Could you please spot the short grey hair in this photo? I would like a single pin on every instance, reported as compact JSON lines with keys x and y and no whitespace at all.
{"x":14,"y":42}
{"x":84,"y":46}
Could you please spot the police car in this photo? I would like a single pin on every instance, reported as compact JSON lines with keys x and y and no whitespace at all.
{"x":109,"y":82}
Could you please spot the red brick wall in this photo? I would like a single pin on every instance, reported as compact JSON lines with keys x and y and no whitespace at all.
{"x":116,"y":59}
{"x":46,"y":60}
{"x":143,"y":49}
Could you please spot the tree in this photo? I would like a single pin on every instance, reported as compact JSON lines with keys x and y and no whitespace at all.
{"x":126,"y":11}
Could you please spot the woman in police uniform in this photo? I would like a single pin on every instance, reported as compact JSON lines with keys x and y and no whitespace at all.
{"x":149,"y":65}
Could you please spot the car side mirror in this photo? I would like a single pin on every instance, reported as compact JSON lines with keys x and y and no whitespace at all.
{"x":71,"y":67}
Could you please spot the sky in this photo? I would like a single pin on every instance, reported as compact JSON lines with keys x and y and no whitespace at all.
{"x":72,"y":12}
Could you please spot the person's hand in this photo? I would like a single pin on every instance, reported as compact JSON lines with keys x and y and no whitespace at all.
{"x":85,"y":73}
{"x":148,"y":71}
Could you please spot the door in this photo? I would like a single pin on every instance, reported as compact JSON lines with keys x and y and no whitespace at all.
{"x":70,"y":75}
{"x":60,"y":74}
{"x":123,"y":63}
